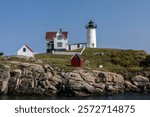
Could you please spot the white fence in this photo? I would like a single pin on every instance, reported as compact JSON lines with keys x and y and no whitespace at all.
{"x":65,"y":53}
{"x":68,"y":53}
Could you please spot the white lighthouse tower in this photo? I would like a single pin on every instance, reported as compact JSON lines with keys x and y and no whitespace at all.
{"x":91,"y":34}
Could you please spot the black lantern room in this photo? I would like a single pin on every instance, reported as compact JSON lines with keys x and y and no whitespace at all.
{"x":91,"y":25}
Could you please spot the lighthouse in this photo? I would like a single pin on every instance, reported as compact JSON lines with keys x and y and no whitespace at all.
{"x":91,"y":34}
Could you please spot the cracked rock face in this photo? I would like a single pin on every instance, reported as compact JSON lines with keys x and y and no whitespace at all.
{"x":35,"y":79}
{"x":4,"y":78}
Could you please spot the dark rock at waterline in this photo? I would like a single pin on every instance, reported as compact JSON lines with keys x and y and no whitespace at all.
{"x":35,"y":79}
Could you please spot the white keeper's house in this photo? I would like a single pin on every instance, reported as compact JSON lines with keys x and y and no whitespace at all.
{"x":57,"y":41}
{"x":25,"y":51}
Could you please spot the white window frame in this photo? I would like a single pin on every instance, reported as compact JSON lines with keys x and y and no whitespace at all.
{"x":59,"y":44}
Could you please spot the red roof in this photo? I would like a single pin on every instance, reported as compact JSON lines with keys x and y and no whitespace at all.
{"x":52,"y":35}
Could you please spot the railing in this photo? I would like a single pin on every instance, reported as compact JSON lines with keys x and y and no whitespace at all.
{"x":65,"y":53}
{"x":68,"y":53}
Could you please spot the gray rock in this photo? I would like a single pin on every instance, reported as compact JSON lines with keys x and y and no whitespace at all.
{"x":76,"y":86}
{"x":16,"y":73}
{"x":12,"y":85}
{"x":4,"y":77}
{"x":47,"y":67}
{"x":88,"y":87}
{"x":130,"y":87}
{"x":56,"y":79}
{"x":4,"y":72}
{"x":37,"y":68}
{"x":87,"y":76}
{"x":140,"y":78}
{"x":45,"y":76}
{"x":3,"y":87}
{"x":39,"y":90}
{"x":110,"y":77}
{"x":50,"y":90}
{"x":98,"y":91}
{"x":109,"y":88}
{"x":73,"y":76}
{"x":141,"y":82}
{"x":99,"y":85}
{"x":24,"y":65}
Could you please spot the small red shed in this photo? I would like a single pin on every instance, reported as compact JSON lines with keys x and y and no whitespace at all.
{"x":77,"y":61}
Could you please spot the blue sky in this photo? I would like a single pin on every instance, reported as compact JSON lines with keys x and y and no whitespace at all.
{"x":121,"y":23}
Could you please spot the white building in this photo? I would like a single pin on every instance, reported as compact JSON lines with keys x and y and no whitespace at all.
{"x":76,"y":46}
{"x":25,"y":51}
{"x":57,"y":41}
{"x":91,"y":34}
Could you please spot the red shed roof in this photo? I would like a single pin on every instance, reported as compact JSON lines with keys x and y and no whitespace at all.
{"x":52,"y":35}
{"x":77,"y":56}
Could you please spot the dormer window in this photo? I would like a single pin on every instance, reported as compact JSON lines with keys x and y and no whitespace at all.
{"x":59,"y":37}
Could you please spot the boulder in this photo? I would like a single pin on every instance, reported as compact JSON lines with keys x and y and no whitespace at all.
{"x":77,"y":86}
{"x":3,"y":87}
{"x":109,"y":88}
{"x":56,"y":79}
{"x":110,"y":77}
{"x":47,"y":68}
{"x":16,"y":73}
{"x":89,"y":88}
{"x":73,"y":76}
{"x":39,"y":90}
{"x":12,"y":84}
{"x":45,"y":76}
{"x":4,"y":72}
{"x":4,"y":78}
{"x":98,"y":91}
{"x":99,"y":85}
{"x":141,"y":82}
{"x":23,"y":65}
{"x":36,"y":68}
{"x":118,"y":88}
{"x":87,"y":76}
{"x":130,"y":87}
{"x":140,"y":78}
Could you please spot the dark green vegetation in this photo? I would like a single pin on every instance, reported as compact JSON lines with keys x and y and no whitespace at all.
{"x":115,"y":60}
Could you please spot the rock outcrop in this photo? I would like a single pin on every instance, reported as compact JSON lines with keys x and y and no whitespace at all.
{"x":35,"y":79}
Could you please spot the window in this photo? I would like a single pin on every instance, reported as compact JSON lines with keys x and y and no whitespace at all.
{"x":48,"y":44}
{"x":59,"y":37}
{"x":24,"y":49}
{"x":59,"y":44}
{"x":78,"y":46}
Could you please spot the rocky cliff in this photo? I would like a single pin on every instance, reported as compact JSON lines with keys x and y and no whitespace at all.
{"x":42,"y":79}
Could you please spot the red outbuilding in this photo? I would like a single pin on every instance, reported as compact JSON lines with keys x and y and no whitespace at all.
{"x":77,"y":61}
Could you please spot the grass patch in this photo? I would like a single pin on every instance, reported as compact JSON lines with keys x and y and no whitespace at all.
{"x":114,"y":60}
{"x":61,"y":61}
